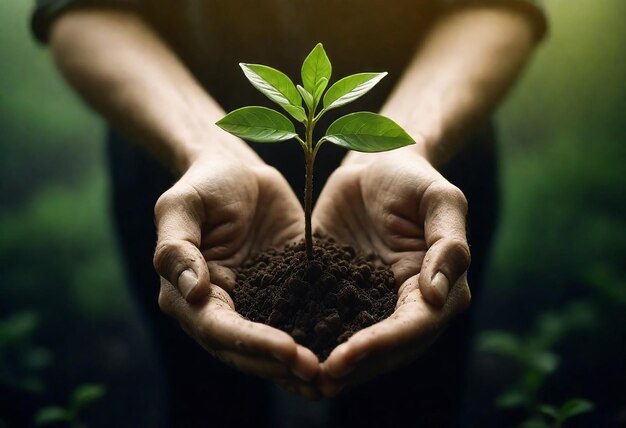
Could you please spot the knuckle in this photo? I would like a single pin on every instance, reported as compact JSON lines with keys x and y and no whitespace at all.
{"x":164,"y":254}
{"x":459,"y":250}
{"x":172,"y":198}
{"x":171,"y":257}
{"x":443,"y":191}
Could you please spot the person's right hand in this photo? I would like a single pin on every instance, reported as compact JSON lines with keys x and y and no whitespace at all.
{"x":219,"y":213}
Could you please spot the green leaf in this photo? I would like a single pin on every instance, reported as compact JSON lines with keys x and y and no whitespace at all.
{"x":511,"y":398}
{"x":319,"y":89}
{"x":549,"y":410}
{"x":545,"y":362}
{"x":350,"y":88}
{"x":297,"y":112}
{"x":534,"y":423}
{"x":316,"y":66}
{"x":258,"y":124}
{"x":86,"y":394}
{"x":52,"y":414}
{"x":273,"y":84}
{"x":307,"y":97}
{"x":575,"y":407}
{"x":500,"y":342}
{"x":367,"y":132}
{"x":18,"y":327}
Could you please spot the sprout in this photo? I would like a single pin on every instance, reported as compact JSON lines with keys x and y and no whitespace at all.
{"x":362,"y":131}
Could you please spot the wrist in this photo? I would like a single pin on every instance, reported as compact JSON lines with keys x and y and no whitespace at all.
{"x":214,"y":148}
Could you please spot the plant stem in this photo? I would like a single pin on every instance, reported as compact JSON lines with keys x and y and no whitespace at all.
{"x":308,"y":185}
{"x":308,"y":196}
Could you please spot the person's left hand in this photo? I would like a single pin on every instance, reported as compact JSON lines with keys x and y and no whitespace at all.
{"x":399,"y":207}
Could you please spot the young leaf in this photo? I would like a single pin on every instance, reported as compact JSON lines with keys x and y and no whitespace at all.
{"x":511,"y":398}
{"x":549,"y":410}
{"x":51,"y":414}
{"x":545,"y":361}
{"x":85,"y":395}
{"x":500,"y":342}
{"x":315,"y":67}
{"x":575,"y":407}
{"x":367,"y":132}
{"x":350,"y":88}
{"x":319,"y":89}
{"x":273,"y":84}
{"x":535,"y":423}
{"x":307,"y":97}
{"x":296,"y":112}
{"x":258,"y":124}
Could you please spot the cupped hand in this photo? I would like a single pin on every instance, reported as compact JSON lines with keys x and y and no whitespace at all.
{"x":220,"y":212}
{"x":398,"y":206}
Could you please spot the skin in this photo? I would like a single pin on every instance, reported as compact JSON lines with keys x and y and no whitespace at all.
{"x":397,"y":205}
{"x":227,"y":203}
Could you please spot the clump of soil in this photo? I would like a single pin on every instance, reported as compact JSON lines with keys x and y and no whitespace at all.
{"x":320,"y":303}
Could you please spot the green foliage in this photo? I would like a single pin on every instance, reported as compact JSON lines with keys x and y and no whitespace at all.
{"x":568,"y":410}
{"x":316,"y":70}
{"x":258,"y":124}
{"x":52,"y":414}
{"x":350,"y":88}
{"x":276,"y":86}
{"x":21,"y":361}
{"x":536,"y":361}
{"x":81,"y":397}
{"x":365,"y":132}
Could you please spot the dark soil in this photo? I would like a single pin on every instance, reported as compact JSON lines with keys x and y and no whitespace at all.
{"x":321,"y":303}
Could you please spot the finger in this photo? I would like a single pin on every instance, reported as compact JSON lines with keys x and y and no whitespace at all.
{"x":443,"y":210}
{"x":266,"y":368}
{"x":222,"y":276}
{"x":306,"y":366}
{"x":177,"y":258}
{"x":220,"y":327}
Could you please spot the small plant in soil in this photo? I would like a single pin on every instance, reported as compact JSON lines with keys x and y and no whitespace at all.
{"x":319,"y":295}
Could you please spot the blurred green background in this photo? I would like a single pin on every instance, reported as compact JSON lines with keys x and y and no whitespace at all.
{"x":556,"y":280}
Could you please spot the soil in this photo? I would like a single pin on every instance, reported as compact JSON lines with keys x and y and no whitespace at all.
{"x":320,"y":303}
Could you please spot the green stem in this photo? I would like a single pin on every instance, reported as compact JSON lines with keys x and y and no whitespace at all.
{"x":308,"y":185}
{"x":308,"y":197}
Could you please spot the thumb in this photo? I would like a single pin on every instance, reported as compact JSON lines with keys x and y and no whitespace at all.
{"x":448,"y":255}
{"x":177,"y":258}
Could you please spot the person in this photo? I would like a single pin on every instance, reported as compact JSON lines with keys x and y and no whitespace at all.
{"x":162,"y":72}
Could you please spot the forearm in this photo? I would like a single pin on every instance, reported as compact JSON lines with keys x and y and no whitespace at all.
{"x":125,"y":72}
{"x":470,"y":59}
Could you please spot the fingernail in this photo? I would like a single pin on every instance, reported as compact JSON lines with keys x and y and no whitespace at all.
{"x":440,"y":285}
{"x":187,"y":281}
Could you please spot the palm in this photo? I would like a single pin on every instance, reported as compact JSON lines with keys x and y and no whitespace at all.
{"x":401,"y":209}
{"x":213,"y":219}
{"x":245,"y":212}
{"x":376,"y":211}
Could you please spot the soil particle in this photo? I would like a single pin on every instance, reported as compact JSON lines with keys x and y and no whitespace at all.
{"x":320,"y":303}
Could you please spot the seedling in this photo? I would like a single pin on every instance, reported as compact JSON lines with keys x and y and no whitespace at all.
{"x":83,"y":396}
{"x":362,"y":131}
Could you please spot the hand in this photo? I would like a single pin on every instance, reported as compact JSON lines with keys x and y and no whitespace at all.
{"x":398,"y":206}
{"x":220,"y":212}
